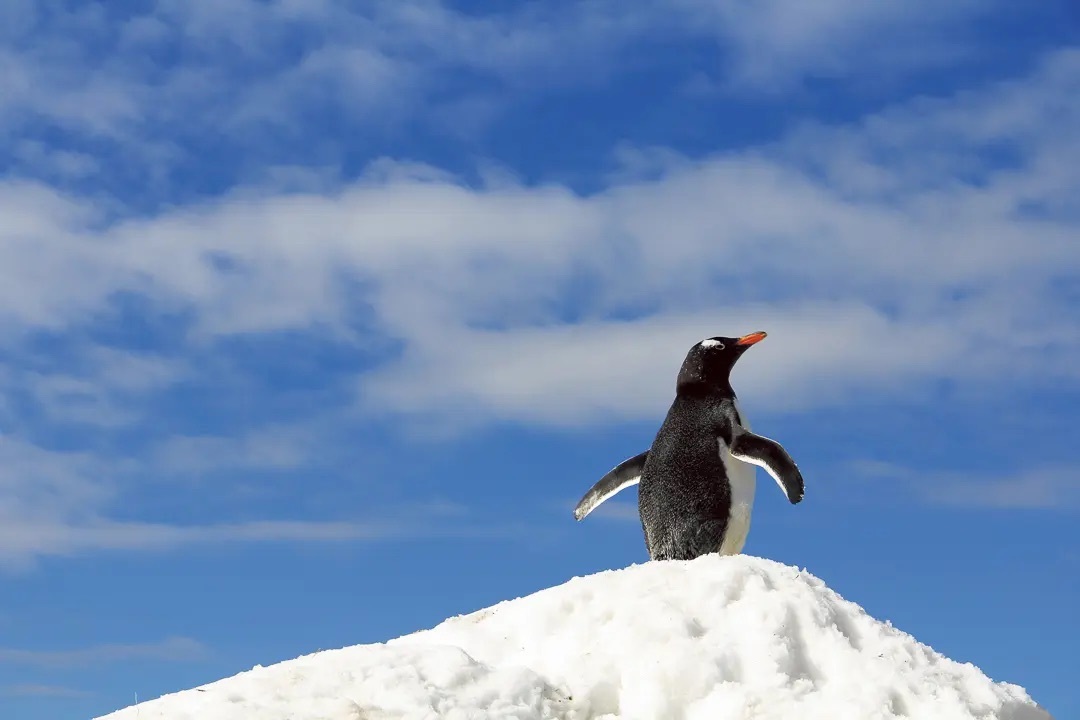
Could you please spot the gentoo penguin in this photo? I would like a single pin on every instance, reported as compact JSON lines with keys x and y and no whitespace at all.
{"x":697,"y":480}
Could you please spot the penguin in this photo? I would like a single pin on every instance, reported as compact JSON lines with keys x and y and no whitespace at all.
{"x":696,"y":481}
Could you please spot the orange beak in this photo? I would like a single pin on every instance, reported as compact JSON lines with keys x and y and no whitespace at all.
{"x":751,"y":338}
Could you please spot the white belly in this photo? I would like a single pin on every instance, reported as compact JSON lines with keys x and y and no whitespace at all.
{"x":741,"y":475}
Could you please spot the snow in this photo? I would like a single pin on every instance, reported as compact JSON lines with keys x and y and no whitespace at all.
{"x":716,"y":637}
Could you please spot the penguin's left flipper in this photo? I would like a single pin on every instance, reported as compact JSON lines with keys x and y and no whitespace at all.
{"x":769,"y":454}
{"x":620,"y":477}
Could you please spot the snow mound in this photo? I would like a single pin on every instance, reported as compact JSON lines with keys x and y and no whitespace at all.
{"x":714,"y":638}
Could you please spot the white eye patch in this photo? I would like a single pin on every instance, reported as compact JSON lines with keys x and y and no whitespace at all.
{"x":712,"y":343}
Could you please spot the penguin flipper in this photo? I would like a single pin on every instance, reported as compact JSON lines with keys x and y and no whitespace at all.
{"x":771,"y":456}
{"x":620,"y":477}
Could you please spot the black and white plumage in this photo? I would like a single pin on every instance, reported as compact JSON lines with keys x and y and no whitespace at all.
{"x":696,"y":482}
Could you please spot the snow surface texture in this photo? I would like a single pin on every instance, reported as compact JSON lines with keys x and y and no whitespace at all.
{"x":720,"y":638}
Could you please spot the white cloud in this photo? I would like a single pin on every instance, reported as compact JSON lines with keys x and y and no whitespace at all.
{"x":55,"y":503}
{"x":54,"y":162}
{"x":100,"y":386}
{"x":1056,"y":487}
{"x":22,"y":541}
{"x":934,"y":240}
{"x":1044,"y":486}
{"x":174,"y":649}
{"x":816,"y":354}
{"x":267,"y":448}
{"x":37,"y":484}
{"x":372,"y":88}
{"x":42,"y":691}
{"x":879,"y":256}
{"x":775,"y":42}
{"x":250,"y":67}
{"x":74,"y":95}
{"x":511,"y":301}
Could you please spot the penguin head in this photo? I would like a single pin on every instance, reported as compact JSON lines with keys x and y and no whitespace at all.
{"x":708,"y":364}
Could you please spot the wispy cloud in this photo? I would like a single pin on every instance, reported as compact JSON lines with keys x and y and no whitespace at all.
{"x":268,"y":448}
{"x":38,"y":483}
{"x":1056,"y":488}
{"x":1048,"y":487}
{"x":871,"y":271}
{"x":21,"y":541}
{"x":58,"y":503}
{"x":91,"y":384}
{"x":42,"y":691}
{"x":933,"y":240}
{"x":251,"y":70}
{"x":173,"y":649}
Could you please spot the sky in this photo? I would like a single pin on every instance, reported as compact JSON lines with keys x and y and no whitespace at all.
{"x":317,"y":318}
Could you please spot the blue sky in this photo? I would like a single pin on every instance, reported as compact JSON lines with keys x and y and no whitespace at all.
{"x":316,"y":318}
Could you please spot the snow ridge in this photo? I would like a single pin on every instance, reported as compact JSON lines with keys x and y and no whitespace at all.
{"x":714,"y":638}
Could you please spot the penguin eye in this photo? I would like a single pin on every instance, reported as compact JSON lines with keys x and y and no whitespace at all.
{"x":710,"y":343}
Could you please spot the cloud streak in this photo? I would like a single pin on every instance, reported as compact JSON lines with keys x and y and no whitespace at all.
{"x":42,"y":691}
{"x":173,"y":649}
{"x":776,"y":43}
{"x":110,"y":75}
{"x":55,"y":503}
{"x":512,"y":302}
{"x":931,"y":241}
{"x":21,"y":540}
{"x":1039,"y":487}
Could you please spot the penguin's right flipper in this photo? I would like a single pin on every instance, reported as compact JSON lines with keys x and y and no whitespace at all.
{"x":769,"y":454}
{"x":620,"y":477}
